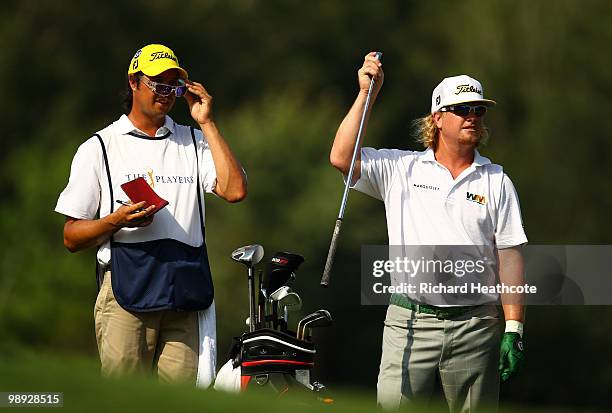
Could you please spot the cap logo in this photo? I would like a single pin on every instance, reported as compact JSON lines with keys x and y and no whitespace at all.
{"x":135,"y":59}
{"x":162,"y":55}
{"x":438,"y":100}
{"x":467,"y":89}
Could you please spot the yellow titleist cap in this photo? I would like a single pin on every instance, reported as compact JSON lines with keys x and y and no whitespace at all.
{"x":154,"y":59}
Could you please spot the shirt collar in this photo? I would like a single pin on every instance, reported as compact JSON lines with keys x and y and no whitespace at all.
{"x":429,"y":156}
{"x":126,"y":126}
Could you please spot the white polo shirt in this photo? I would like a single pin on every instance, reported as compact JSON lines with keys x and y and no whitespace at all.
{"x":426,"y":206}
{"x":167,"y":162}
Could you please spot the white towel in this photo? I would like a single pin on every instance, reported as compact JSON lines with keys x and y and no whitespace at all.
{"x":228,"y":379}
{"x":207,"y":358}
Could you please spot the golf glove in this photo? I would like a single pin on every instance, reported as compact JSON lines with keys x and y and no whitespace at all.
{"x":511,"y":355}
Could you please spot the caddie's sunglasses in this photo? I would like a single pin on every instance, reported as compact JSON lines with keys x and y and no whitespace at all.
{"x":464,"y":110}
{"x":166,"y":90}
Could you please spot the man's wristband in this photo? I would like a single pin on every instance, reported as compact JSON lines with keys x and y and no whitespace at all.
{"x":514,"y":326}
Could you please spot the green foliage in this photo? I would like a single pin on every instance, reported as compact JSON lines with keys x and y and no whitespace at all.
{"x":283,"y":74}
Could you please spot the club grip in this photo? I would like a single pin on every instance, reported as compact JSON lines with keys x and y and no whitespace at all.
{"x":325,"y":279}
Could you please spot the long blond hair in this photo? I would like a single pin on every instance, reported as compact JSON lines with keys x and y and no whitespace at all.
{"x":427,"y":133}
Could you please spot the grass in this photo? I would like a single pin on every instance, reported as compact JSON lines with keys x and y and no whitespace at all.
{"x":85,"y":391}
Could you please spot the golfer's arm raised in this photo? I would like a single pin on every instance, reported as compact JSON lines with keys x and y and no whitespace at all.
{"x":231,"y":181}
{"x":346,"y":136}
{"x":511,"y":272}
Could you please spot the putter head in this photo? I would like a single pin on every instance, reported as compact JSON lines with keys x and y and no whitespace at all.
{"x":248,"y":255}
{"x":280,"y":269}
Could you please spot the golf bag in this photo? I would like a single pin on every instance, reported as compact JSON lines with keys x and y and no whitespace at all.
{"x":269,"y":357}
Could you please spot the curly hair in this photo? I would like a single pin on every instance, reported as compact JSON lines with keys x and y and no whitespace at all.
{"x":427,"y":133}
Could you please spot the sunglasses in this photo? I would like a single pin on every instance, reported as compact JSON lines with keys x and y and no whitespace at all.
{"x":166,"y":90}
{"x":465,"y":110}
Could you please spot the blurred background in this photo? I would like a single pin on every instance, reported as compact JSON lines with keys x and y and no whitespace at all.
{"x":283,"y":74}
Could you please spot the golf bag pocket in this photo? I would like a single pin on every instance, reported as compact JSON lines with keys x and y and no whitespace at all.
{"x":161,"y":275}
{"x":270,"y":351}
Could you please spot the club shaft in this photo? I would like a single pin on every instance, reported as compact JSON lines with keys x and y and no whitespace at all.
{"x":251,"y":299}
{"x":326,"y":278}
{"x":349,"y":177}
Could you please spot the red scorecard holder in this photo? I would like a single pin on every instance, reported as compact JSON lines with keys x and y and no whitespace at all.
{"x":139,"y":190}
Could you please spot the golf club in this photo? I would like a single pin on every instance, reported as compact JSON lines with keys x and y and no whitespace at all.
{"x":322,"y":321}
{"x":261,"y":304}
{"x":279,"y":270}
{"x":325,"y":279}
{"x":290,"y":302}
{"x":277,"y":295}
{"x":307,"y":322}
{"x":316,"y":314}
{"x":250,"y":255}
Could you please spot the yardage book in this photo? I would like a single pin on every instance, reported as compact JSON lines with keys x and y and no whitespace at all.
{"x":139,"y":190}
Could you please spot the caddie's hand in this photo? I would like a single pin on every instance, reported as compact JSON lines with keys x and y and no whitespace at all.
{"x":199,"y":101}
{"x":372,"y":68}
{"x":132,"y":216}
{"x":511,"y":355}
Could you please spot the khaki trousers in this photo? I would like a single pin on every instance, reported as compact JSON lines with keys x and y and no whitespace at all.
{"x":464,"y":351}
{"x":164,"y":343}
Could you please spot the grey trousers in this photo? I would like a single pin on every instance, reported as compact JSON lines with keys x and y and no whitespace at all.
{"x":464,"y":351}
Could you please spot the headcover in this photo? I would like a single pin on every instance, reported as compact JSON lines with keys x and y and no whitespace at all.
{"x":279,"y":270}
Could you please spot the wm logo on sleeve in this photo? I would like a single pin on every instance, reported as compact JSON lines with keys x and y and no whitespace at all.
{"x":480,"y":199}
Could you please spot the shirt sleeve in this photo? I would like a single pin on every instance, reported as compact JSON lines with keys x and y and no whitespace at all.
{"x":377,"y":168}
{"x":208,"y":173}
{"x":509,"y":231}
{"x":81,"y":197}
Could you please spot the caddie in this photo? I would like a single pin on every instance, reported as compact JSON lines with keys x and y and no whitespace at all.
{"x":448,"y":194}
{"x":155,"y":308}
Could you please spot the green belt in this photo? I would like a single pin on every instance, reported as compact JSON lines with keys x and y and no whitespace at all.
{"x":439,"y":312}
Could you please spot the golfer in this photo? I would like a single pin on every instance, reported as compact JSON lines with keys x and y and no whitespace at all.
{"x":449,"y":194}
{"x":154,"y":312}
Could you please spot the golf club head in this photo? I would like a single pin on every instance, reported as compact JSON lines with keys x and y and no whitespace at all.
{"x":291,"y":301}
{"x":248,"y":255}
{"x":324,"y":320}
{"x":280,"y":293}
{"x":280,"y":269}
{"x":311,"y":316}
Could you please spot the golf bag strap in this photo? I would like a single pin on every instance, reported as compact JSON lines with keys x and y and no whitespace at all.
{"x":99,"y":269}
{"x":198,"y":182}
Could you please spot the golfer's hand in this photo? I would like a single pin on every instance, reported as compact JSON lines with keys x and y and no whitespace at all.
{"x":372,"y":68}
{"x":199,"y":101}
{"x":511,"y":355}
{"x":132,"y":216}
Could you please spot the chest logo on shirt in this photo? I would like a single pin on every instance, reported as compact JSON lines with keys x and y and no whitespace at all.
{"x":479,"y":199}
{"x":429,"y":187}
{"x":153,"y":179}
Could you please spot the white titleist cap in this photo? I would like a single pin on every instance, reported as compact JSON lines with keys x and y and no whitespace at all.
{"x":458,"y":89}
